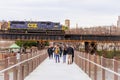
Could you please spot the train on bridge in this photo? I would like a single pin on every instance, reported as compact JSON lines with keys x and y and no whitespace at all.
{"x":43,"y":25}
{"x":33,"y":27}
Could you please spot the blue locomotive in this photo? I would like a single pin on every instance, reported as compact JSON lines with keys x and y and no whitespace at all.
{"x":41,"y":25}
{"x":45,"y":27}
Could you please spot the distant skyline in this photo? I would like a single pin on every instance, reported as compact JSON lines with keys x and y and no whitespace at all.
{"x":83,"y":12}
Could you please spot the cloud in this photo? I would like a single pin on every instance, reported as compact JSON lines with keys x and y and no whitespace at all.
{"x":84,"y":12}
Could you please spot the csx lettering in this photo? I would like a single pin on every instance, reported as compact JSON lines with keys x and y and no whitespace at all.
{"x":32,"y":25}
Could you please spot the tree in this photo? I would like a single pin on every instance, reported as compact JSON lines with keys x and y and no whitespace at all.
{"x":26,"y":44}
{"x":64,"y":27}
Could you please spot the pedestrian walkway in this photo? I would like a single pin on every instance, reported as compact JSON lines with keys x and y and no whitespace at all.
{"x":49,"y":70}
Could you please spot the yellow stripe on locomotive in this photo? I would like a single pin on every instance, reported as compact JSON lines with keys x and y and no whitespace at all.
{"x":8,"y":25}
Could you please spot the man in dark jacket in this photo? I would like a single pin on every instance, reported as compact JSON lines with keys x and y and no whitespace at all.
{"x":50,"y":52}
{"x":60,"y":51}
{"x":70,"y":53}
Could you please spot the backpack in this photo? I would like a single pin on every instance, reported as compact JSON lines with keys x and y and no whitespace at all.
{"x":57,"y":50}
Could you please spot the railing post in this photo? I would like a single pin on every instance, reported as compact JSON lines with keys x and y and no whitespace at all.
{"x":95,"y":68}
{"x":103,"y":71}
{"x":85,"y":64}
{"x":15,"y":70}
{"x":21,"y":69}
{"x":21,"y":76}
{"x":40,"y":59}
{"x":82,"y":62}
{"x":89,"y":64}
{"x":27,"y":71}
{"x":115,"y":69}
{"x":35,"y":63}
{"x":75,"y":58}
{"x":32,"y":65}
{"x":79,"y":60}
{"x":6,"y":74}
{"x":29,"y":66}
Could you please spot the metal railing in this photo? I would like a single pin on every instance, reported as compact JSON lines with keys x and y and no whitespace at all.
{"x":13,"y":69}
{"x":98,"y":67}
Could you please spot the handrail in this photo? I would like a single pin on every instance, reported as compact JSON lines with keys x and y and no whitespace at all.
{"x":99,"y":66}
{"x":1,"y":71}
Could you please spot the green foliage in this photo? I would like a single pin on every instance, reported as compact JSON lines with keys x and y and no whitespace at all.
{"x":19,"y":43}
{"x":46,"y":43}
{"x":99,"y":53}
{"x":26,"y":44}
{"x":64,"y":27}
{"x":109,"y":54}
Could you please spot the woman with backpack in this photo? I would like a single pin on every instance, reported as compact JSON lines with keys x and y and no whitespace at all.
{"x":57,"y":53}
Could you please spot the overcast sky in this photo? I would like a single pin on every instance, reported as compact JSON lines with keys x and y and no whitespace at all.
{"x":84,"y":12}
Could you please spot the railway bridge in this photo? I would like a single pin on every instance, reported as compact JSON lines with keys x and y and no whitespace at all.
{"x":90,"y":40}
{"x":35,"y":66}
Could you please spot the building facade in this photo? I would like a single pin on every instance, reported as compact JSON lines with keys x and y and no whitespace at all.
{"x":0,"y":24}
{"x":67,"y":23}
{"x":118,"y":22}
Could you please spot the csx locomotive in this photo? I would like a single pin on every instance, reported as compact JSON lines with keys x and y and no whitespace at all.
{"x":43,"y":25}
{"x":33,"y":26}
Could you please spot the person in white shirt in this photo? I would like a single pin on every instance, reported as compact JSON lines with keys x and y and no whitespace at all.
{"x":18,"y":56}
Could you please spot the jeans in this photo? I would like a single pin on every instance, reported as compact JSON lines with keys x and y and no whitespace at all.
{"x":57,"y":59}
{"x":69,"y":58}
{"x":64,"y":58}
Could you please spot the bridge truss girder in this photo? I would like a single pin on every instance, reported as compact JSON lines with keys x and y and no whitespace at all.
{"x":62,"y":37}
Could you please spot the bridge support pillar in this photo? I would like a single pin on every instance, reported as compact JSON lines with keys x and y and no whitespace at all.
{"x":90,"y":47}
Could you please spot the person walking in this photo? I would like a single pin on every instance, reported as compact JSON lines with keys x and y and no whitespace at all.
{"x":49,"y":52}
{"x":18,"y":56}
{"x":61,"y":51}
{"x":64,"y":54}
{"x":57,"y":53}
{"x":70,"y":53}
